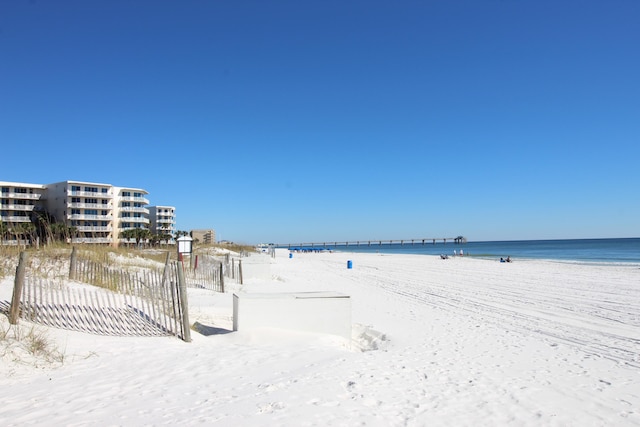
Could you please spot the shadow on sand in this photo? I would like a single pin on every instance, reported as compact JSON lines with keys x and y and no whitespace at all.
{"x":209,"y":330}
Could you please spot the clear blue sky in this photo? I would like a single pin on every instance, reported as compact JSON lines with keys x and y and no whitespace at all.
{"x":297,"y":121}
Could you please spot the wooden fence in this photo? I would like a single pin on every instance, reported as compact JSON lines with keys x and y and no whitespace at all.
{"x":211,"y":273}
{"x":105,"y":299}
{"x":140,"y":312}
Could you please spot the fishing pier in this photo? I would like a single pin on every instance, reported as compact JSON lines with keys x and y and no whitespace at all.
{"x":420,"y":241}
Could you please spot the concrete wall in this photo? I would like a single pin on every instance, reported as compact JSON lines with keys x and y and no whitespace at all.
{"x":319,"y":312}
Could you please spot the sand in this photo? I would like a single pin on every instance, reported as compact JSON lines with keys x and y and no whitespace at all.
{"x":435,"y":342}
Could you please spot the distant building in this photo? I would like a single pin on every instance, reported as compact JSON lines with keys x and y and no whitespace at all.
{"x":205,"y":237}
{"x":163,"y":221}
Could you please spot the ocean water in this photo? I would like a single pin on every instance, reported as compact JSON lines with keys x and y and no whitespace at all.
{"x":577,"y":250}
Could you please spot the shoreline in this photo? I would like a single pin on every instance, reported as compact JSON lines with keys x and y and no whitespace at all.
{"x":514,"y":259}
{"x":623,"y":250}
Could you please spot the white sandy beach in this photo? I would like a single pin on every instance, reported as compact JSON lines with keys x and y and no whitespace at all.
{"x":463,"y":342}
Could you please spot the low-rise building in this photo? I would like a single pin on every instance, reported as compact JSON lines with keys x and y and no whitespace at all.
{"x":204,"y":237}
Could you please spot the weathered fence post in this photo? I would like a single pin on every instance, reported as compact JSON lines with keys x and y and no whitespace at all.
{"x":222,"y":276}
{"x":166,"y":269}
{"x":233,"y":268}
{"x":72,"y":264}
{"x":182,"y":290}
{"x":240,"y":271}
{"x":14,"y":310}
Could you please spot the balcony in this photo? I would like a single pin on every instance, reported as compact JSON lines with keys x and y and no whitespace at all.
{"x":135,"y":209}
{"x":14,"y":219}
{"x":90,"y":217}
{"x":14,"y":242}
{"x":95,"y":195}
{"x":26,"y":196}
{"x":94,"y":240}
{"x":94,"y":228}
{"x":24,"y":208}
{"x":89,"y":206}
{"x":134,"y":199}
{"x":121,"y":229}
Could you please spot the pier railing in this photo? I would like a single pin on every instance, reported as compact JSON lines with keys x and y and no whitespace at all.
{"x":419,"y":241}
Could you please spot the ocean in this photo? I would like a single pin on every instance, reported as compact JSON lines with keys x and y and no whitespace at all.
{"x":575,"y":250}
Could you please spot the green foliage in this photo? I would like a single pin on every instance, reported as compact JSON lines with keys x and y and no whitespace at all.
{"x":32,"y":346}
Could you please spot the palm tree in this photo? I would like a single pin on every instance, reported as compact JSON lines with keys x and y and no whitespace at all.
{"x":141,"y":234}
{"x":58,"y":231}
{"x":128,"y":235}
{"x":24,"y":231}
{"x":4,"y":231}
{"x":179,"y":233}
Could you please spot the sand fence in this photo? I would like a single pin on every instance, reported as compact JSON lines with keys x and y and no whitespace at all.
{"x":105,"y":299}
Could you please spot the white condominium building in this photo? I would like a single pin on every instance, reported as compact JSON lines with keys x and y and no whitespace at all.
{"x":99,"y":213}
{"x":131,"y":208}
{"x":19,"y":200}
{"x":87,"y":207}
{"x":163,"y":220}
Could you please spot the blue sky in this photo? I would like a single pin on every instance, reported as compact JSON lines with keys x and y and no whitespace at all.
{"x":297,"y":121}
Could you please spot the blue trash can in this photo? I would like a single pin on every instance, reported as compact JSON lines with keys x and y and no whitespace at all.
{"x":349,"y":264}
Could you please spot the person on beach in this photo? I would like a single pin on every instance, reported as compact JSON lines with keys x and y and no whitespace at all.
{"x":461,"y":252}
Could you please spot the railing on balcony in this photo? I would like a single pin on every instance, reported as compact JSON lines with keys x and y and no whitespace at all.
{"x":12,"y":219}
{"x":97,"y":195}
{"x":91,"y":240}
{"x":136,"y":220}
{"x":166,"y":221}
{"x":29,"y":196}
{"x":14,"y":242}
{"x":18,"y":207}
{"x":94,"y":228}
{"x":134,"y":209}
{"x":91,"y":217}
{"x":135,"y":199}
{"x":89,"y":206}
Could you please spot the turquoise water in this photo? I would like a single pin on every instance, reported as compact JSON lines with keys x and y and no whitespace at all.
{"x":581,"y":250}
